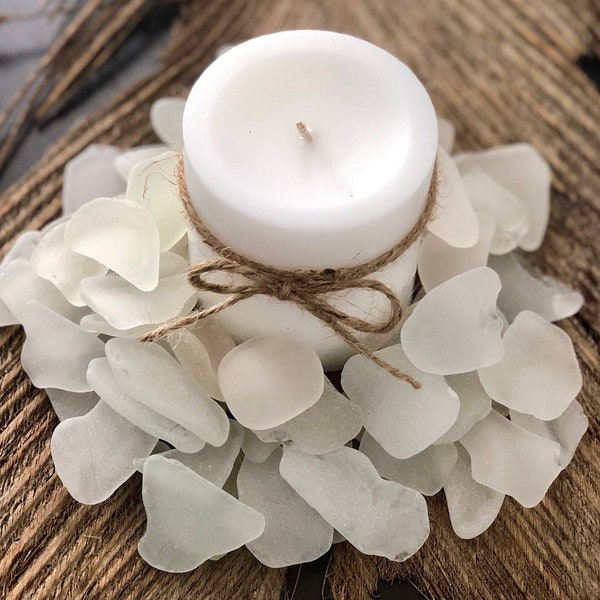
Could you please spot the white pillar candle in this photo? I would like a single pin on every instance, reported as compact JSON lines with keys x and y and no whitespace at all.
{"x":340,"y":192}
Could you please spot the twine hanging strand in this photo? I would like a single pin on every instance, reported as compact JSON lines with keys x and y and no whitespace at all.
{"x":308,"y":288}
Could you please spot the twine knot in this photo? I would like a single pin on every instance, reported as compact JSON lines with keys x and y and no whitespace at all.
{"x":310,"y":289}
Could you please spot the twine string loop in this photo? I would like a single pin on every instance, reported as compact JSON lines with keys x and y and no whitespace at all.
{"x":310,"y":289}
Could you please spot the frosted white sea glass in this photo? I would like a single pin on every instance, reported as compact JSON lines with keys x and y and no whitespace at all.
{"x":473,"y":507}
{"x":166,"y":116}
{"x":294,"y":531}
{"x":22,"y":248}
{"x":126,"y":160}
{"x":475,"y":404}
{"x":376,"y":516}
{"x":455,"y":221}
{"x":71,"y":404}
{"x":152,"y":376}
{"x":539,"y":373}
{"x":522,"y":290}
{"x":511,"y":460}
{"x":455,"y":328}
{"x":522,"y":170}
{"x":425,"y":472}
{"x":89,"y":175}
{"x":214,"y":463}
{"x":56,"y":352}
{"x":325,"y":426}
{"x":268,"y":380}
{"x":119,"y":234}
{"x":96,"y":324}
{"x":256,"y":450}
{"x":54,"y":261}
{"x":179,"y":536}
{"x":153,"y":183}
{"x":105,"y":384}
{"x":94,"y":454}
{"x":438,"y":261}
{"x":446,"y":135}
{"x":567,"y":430}
{"x":506,"y":210}
{"x":403,"y":420}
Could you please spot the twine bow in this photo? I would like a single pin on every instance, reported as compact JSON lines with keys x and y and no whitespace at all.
{"x":310,"y":289}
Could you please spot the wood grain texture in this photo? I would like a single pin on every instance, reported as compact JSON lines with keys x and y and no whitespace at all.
{"x":502,"y":71}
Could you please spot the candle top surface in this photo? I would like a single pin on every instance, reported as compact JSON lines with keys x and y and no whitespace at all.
{"x":310,"y":129}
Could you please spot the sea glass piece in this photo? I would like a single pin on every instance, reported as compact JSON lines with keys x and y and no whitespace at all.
{"x":53,"y":261}
{"x":127,"y":159}
{"x":325,"y":426}
{"x":455,"y":221}
{"x":23,"y":247}
{"x":153,"y":184}
{"x":376,"y":516}
{"x":504,"y":208}
{"x":105,"y":384}
{"x":268,"y":380}
{"x":475,"y":404}
{"x":217,"y":340}
{"x":94,"y":454}
{"x":56,"y":352}
{"x":190,"y":519}
{"x":438,"y":261}
{"x":522,"y":170}
{"x":425,"y":472}
{"x":256,"y":450}
{"x":522,"y":290}
{"x":403,"y":420}
{"x":455,"y":328}
{"x":20,"y":285}
{"x":473,"y":507}
{"x":294,"y":531}
{"x":213,"y":463}
{"x":446,"y":135}
{"x":96,"y":324}
{"x":539,"y":373}
{"x":567,"y":430}
{"x":511,"y":460}
{"x":124,"y":306}
{"x":166,"y":116}
{"x":152,"y":376}
{"x":119,"y":234}
{"x":71,"y":404}
{"x":90,"y":175}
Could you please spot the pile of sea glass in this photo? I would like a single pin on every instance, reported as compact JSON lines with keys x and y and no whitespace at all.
{"x":251,"y":444}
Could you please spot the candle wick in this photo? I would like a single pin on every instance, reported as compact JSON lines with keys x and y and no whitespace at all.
{"x":304,"y":131}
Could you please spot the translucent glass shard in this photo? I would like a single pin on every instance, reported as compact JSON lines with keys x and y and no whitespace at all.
{"x":455,"y":222}
{"x":507,"y":212}
{"x":71,"y":404}
{"x":323,"y":427}
{"x":119,"y":234}
{"x":105,"y":384}
{"x":268,"y":380}
{"x":446,"y":135}
{"x":56,"y":352}
{"x":403,"y":420}
{"x":473,"y":507}
{"x":153,"y":184}
{"x":166,"y":116}
{"x":127,"y":159}
{"x":522,"y":290}
{"x":511,"y":460}
{"x":294,"y":532}
{"x":567,"y":430}
{"x":455,"y":328}
{"x":53,"y":261}
{"x":96,"y":324}
{"x":475,"y":404}
{"x":376,"y":516}
{"x":94,"y":454}
{"x":190,"y":519}
{"x":539,"y":373}
{"x":522,"y":170}
{"x":152,"y":376}
{"x":90,"y":175}
{"x":213,"y":463}
{"x":425,"y":472}
{"x":438,"y":261}
{"x":256,"y":450}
